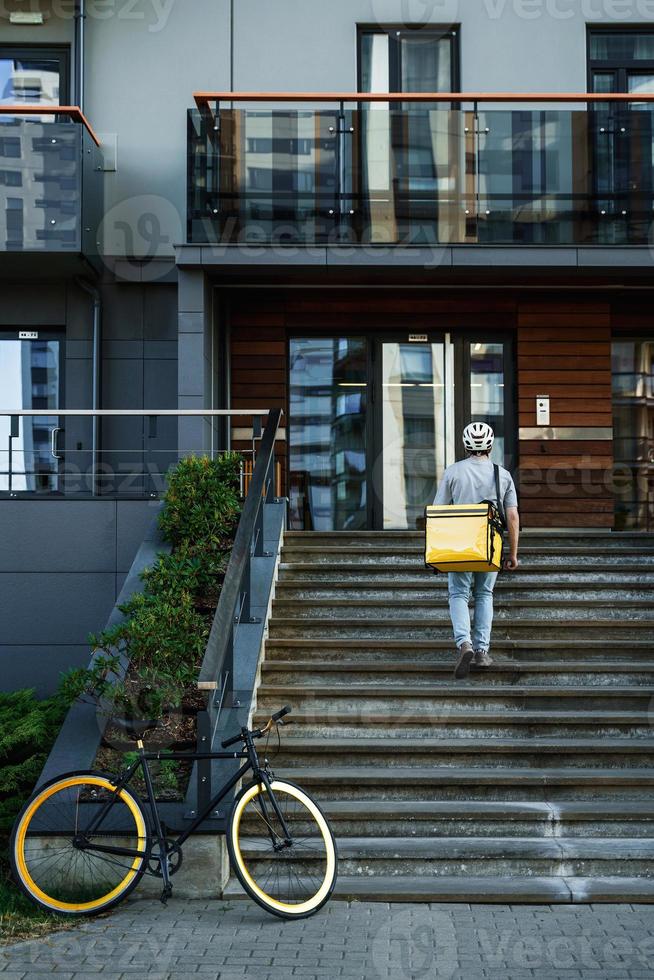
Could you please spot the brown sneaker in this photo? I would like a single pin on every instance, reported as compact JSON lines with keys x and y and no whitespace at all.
{"x":482,"y":659}
{"x":466,"y":654}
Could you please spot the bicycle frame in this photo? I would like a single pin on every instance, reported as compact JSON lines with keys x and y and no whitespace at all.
{"x":141,"y":763}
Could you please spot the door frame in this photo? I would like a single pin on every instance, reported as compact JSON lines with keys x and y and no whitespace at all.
{"x":376,"y":445}
{"x":47,"y":334}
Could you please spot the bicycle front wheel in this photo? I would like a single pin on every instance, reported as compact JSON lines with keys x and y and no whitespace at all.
{"x":78,"y":846}
{"x":290,"y":876}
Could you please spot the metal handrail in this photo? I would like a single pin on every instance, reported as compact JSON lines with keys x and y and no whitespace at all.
{"x":150,"y":413}
{"x":72,"y":111}
{"x":234,"y":602}
{"x":204,"y":99}
{"x":139,"y":412}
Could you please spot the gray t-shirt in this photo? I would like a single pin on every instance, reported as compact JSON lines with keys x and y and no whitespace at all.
{"x":472,"y":480}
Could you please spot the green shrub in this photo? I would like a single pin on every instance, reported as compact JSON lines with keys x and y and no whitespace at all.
{"x":202,"y":503}
{"x":27,"y":730}
{"x":164,"y":632}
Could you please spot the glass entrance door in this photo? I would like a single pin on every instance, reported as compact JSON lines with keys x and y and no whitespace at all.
{"x":30,"y":453}
{"x":413,"y":395}
{"x":374,"y":421}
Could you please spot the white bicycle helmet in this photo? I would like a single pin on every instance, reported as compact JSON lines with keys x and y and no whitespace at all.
{"x":478,"y":437}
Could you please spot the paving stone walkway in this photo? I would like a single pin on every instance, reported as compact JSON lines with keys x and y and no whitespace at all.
{"x":348,"y":940}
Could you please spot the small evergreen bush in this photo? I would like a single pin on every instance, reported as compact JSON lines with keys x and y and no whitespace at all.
{"x":164,"y":631}
{"x":28,"y":729}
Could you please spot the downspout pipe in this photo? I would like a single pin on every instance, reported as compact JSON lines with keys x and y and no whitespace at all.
{"x":94,"y":292}
{"x":80,"y":15}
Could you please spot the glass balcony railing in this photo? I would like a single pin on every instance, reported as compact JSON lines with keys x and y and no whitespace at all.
{"x":50,"y":181}
{"x":422,"y":174}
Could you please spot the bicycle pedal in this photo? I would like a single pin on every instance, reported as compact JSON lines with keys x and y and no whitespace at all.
{"x":165,"y":894}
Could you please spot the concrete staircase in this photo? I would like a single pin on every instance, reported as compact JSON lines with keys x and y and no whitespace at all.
{"x":531,"y":781}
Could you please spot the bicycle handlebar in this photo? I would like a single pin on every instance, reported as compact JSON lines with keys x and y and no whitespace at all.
{"x":256,"y":732}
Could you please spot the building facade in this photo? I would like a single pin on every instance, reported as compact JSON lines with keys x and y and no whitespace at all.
{"x":384,"y":268}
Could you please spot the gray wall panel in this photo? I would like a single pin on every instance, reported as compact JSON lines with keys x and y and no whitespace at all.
{"x":62,"y":565}
{"x":37,"y":305}
{"x":57,"y":536}
{"x":39,"y":667}
{"x":160,"y":313}
{"x":134,"y":520}
{"x":122,"y":313}
{"x":58,"y":607}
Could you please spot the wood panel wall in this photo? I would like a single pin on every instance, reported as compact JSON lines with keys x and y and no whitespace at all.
{"x":563,"y":349}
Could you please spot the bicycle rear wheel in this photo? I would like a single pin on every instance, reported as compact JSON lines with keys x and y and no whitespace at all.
{"x":291,"y":878}
{"x":52,"y":848}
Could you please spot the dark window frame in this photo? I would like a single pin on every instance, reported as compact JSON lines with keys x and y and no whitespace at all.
{"x":453,"y":31}
{"x":619,"y":67}
{"x":62,"y":52}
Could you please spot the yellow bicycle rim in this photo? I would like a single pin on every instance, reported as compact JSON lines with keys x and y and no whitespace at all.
{"x":304,"y":907}
{"x":19,"y":847}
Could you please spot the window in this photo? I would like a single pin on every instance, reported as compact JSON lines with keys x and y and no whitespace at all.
{"x":620,"y":61}
{"x":35,"y":75}
{"x":633,"y":433}
{"x":393,"y":59}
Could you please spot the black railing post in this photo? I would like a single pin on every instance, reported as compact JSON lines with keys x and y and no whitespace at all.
{"x":14,"y":430}
{"x":244,"y":615}
{"x":204,"y":765}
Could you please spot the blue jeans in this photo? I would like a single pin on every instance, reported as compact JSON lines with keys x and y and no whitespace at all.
{"x":460,"y":585}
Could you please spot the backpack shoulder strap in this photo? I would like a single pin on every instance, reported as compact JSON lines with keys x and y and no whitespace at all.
{"x":500,"y":502}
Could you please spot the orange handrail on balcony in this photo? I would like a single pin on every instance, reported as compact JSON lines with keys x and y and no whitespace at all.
{"x":205,"y":98}
{"x":30,"y":109}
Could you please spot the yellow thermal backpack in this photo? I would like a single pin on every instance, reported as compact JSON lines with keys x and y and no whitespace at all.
{"x":465,"y":537}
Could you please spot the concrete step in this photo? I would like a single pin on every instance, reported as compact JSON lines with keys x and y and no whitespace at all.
{"x":415,"y":570}
{"x":492,"y":889}
{"x":380,"y":672}
{"x":485,"y":818}
{"x":436,"y":590}
{"x":480,"y":722}
{"x":473,"y":694}
{"x":499,"y":783}
{"x":533,"y":752}
{"x":527,"y":607}
{"x":432,"y":650}
{"x":428,"y":856}
{"x":580,"y":554}
{"x":611,"y":627}
{"x":560,"y":538}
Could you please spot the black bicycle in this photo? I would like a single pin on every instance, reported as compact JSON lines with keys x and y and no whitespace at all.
{"x":84,"y":840}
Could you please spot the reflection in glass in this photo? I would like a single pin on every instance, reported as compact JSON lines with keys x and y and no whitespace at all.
{"x":487,"y":392}
{"x":327,"y":439}
{"x":277,"y":175}
{"x":621,"y":47}
{"x":29,"y":378}
{"x":29,"y":79}
{"x":413,"y":420}
{"x":633,"y":433}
